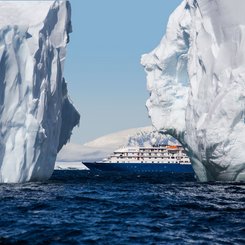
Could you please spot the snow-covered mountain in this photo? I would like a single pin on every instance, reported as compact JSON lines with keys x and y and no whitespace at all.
{"x":100,"y":147}
{"x":196,"y":80}
{"x":36,"y":116}
{"x":104,"y":146}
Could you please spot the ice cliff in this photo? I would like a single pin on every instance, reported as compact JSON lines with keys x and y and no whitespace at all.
{"x":196,"y":80}
{"x":36,"y":116}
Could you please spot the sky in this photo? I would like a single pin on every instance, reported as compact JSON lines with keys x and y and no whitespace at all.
{"x":106,"y":81}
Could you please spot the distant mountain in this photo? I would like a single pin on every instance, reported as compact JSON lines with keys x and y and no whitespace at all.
{"x":118,"y":139}
{"x":104,"y":146}
{"x":100,"y":147}
{"x":146,"y":138}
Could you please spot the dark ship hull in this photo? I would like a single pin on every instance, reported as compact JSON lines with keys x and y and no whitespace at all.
{"x":140,"y":168}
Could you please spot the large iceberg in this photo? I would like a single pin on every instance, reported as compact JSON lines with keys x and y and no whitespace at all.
{"x":196,"y":80}
{"x":36,"y":116}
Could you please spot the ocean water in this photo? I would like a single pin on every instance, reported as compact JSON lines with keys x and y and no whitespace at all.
{"x":76,"y":207}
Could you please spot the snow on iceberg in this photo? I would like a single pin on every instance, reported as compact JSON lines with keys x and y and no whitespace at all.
{"x":196,"y":80}
{"x":34,"y":105}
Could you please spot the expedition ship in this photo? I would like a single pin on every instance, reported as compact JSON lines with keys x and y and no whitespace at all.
{"x":156,"y":159}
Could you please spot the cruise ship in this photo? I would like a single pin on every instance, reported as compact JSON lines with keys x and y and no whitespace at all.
{"x":140,"y":160}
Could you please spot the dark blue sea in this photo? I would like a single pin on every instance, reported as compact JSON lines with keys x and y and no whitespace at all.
{"x":76,"y":207}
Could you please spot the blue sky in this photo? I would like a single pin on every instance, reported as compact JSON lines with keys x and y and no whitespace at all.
{"x":106,"y":82}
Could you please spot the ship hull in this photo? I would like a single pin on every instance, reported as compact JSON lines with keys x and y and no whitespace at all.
{"x":140,"y":168}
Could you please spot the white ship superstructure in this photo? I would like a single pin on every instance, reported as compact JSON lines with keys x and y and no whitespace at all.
{"x":156,"y":154}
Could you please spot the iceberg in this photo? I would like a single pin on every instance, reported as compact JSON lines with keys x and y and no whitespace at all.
{"x":196,"y":80}
{"x":36,"y":115}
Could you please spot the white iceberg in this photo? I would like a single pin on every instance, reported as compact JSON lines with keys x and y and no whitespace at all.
{"x":196,"y":80}
{"x":34,"y":106}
